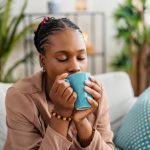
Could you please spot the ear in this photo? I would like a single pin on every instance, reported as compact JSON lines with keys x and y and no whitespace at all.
{"x":42,"y":60}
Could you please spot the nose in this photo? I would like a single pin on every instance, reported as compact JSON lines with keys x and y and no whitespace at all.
{"x":74,"y":66}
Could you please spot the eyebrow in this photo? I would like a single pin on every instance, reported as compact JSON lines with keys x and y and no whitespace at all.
{"x":66,"y":51}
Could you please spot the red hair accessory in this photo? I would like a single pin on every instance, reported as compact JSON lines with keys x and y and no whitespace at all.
{"x":46,"y":19}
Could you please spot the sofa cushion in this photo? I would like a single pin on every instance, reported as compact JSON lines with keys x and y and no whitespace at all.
{"x":3,"y":129}
{"x":120,"y":95}
{"x":134,"y":133}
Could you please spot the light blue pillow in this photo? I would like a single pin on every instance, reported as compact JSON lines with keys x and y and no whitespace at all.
{"x":134,"y":133}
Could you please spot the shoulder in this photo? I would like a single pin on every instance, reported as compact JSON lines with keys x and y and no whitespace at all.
{"x":19,"y":100}
{"x":19,"y":105}
{"x":29,"y":85}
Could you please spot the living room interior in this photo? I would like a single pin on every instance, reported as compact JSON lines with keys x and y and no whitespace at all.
{"x":117,"y":37}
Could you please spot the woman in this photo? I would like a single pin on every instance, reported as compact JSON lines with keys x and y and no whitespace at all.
{"x":40,"y":108}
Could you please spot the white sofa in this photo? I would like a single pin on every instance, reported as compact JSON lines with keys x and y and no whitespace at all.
{"x":120,"y":97}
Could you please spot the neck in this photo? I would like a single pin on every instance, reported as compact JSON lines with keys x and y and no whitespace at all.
{"x":48,"y":86}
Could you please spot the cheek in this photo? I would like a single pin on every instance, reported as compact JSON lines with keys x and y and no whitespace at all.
{"x":53,"y":69}
{"x":52,"y":73}
{"x":83,"y":65}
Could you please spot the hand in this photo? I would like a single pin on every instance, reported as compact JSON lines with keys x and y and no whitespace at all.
{"x":95,"y":89}
{"x":62,"y":96}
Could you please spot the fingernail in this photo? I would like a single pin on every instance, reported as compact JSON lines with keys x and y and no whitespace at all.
{"x":89,"y":99}
{"x":92,"y":78}
{"x":87,"y":82}
{"x":68,"y":83}
{"x":86,"y":88}
{"x":65,"y":74}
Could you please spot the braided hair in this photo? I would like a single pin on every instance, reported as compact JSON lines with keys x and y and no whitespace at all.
{"x":50,"y":26}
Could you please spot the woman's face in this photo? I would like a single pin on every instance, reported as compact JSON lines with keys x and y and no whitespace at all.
{"x":65,"y":52}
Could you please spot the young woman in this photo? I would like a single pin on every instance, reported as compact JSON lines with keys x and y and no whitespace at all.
{"x":40,"y":108}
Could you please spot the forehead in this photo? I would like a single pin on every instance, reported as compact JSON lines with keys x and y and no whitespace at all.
{"x":66,"y":39}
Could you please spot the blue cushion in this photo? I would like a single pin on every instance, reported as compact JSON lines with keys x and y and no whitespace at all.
{"x":134,"y":133}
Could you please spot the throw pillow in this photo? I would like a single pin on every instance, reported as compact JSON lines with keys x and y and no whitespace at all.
{"x":134,"y":133}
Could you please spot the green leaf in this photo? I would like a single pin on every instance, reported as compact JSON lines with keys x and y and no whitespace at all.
{"x":17,"y":22}
{"x":5,"y":17}
{"x":132,"y":30}
{"x":17,"y":38}
{"x":10,"y":33}
{"x":8,"y":76}
{"x":121,"y":61}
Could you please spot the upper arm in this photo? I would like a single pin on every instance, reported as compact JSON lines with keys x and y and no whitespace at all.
{"x":20,"y":121}
{"x":23,"y":131}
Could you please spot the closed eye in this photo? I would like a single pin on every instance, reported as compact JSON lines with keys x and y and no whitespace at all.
{"x":81,"y":58}
{"x":62,"y":58}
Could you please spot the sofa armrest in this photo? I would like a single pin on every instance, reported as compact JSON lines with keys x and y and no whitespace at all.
{"x":3,"y":128}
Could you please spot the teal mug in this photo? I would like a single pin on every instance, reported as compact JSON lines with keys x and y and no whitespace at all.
{"x":77,"y":82}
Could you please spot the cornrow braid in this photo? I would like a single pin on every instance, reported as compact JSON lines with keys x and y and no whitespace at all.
{"x":50,"y":26}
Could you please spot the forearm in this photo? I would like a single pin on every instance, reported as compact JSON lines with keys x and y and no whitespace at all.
{"x":54,"y":141}
{"x":59,"y":126}
{"x":84,"y":131}
{"x":93,"y":140}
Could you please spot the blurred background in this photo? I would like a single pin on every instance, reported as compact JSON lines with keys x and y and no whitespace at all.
{"x":117,"y":35}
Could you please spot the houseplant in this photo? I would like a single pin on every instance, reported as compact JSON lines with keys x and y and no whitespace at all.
{"x":10,"y":36}
{"x":134,"y":33}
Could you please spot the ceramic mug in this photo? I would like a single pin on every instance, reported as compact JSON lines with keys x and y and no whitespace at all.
{"x":77,"y":82}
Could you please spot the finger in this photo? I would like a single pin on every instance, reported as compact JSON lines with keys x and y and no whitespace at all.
{"x":93,"y":103}
{"x":72,"y":98}
{"x":94,"y":93}
{"x":62,"y":76}
{"x":58,"y":80}
{"x":93,"y":85}
{"x":55,"y":86}
{"x":92,"y":78}
{"x":62,"y":87}
{"x":67,"y":93}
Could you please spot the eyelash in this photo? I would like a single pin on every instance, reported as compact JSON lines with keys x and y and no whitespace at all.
{"x":80,"y":59}
{"x":62,"y":60}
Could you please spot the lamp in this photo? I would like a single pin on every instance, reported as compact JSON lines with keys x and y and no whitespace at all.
{"x":81,"y":5}
{"x":89,"y":47}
